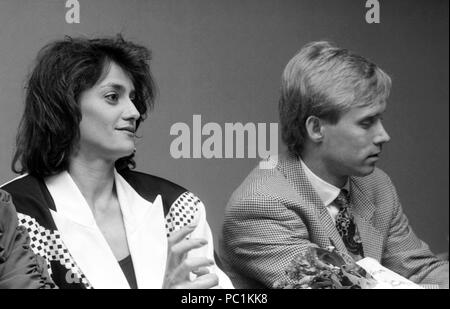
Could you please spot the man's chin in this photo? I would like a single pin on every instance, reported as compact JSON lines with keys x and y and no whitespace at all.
{"x":365,"y":171}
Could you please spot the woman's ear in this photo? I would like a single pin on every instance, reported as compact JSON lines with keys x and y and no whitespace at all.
{"x":314,"y":128}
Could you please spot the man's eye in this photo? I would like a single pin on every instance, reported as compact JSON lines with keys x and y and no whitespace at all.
{"x":367,"y":123}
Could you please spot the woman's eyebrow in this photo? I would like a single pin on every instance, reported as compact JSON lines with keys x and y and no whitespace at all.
{"x":116,"y":86}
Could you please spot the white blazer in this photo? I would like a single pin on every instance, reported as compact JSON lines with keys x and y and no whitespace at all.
{"x":145,"y":227}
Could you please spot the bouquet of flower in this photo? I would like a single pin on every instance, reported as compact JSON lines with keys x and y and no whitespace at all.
{"x":319,"y":268}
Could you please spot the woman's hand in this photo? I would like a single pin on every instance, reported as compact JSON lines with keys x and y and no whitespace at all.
{"x":179,"y":266}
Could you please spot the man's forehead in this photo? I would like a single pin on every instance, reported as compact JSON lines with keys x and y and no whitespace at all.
{"x":376,"y":107}
{"x":364,"y":111}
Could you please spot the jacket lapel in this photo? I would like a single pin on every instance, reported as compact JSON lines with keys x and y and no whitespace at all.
{"x":146,"y":234}
{"x":363,"y":210}
{"x":308,"y":200}
{"x":80,"y":233}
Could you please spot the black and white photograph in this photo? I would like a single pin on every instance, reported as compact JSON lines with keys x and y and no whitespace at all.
{"x":231,"y":145}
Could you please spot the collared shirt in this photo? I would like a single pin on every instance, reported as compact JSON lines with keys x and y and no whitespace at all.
{"x":326,"y":191}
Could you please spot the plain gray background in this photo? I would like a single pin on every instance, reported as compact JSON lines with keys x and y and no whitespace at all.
{"x":223,"y":59}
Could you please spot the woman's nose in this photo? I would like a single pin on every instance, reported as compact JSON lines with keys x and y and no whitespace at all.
{"x":131,"y":111}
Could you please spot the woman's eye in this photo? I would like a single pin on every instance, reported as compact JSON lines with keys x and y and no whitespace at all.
{"x":112,"y":97}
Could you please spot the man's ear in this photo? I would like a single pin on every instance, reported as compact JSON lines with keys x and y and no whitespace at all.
{"x":314,"y":128}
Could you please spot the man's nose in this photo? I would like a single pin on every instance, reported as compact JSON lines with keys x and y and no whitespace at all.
{"x":382,"y":135}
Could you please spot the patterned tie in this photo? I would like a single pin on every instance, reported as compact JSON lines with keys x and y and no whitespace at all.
{"x":347,"y":227}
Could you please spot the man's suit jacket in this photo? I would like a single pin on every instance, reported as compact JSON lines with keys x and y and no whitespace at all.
{"x":276,"y":214}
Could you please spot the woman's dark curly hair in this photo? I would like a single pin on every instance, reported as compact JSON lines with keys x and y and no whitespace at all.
{"x":49,"y":129}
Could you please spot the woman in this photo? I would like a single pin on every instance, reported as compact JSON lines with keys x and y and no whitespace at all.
{"x":97,"y":223}
{"x":20,"y":268}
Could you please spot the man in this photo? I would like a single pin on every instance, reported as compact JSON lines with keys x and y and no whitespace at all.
{"x":326,"y":191}
{"x":20,"y":268}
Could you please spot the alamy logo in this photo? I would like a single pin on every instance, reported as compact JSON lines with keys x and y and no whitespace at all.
{"x":72,"y":277}
{"x":224,"y":143}
{"x":373,"y":14}
{"x":73,"y":14}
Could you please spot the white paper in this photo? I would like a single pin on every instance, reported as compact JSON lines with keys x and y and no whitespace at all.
{"x":387,"y":279}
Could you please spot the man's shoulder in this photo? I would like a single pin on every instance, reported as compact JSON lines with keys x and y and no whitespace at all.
{"x":375,"y":186}
{"x":377,"y":179}
{"x":263,"y":184}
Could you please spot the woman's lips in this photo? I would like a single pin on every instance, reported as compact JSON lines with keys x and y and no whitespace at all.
{"x":128,"y":129}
